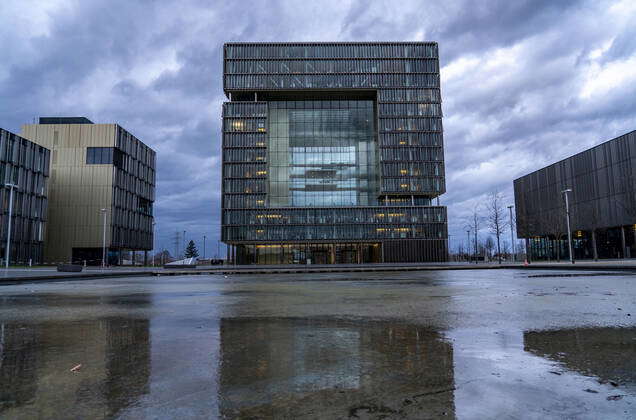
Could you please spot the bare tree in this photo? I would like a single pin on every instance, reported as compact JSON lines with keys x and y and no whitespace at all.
{"x":496,"y":218}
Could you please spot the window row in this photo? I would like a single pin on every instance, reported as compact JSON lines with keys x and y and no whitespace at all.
{"x":22,"y":230}
{"x":331,"y":66}
{"x":245,"y":109}
{"x":20,"y":151}
{"x":409,"y":95}
{"x":244,"y":124}
{"x":134,"y":185}
{"x":411,"y":139}
{"x":354,"y":50}
{"x":400,"y":200}
{"x":244,"y":140}
{"x":337,"y":215}
{"x":244,"y":201}
{"x":131,"y":201}
{"x":433,"y":185}
{"x":410,"y":124}
{"x":133,"y":147}
{"x":412,"y":109}
{"x":253,"y":201}
{"x":334,"y":232}
{"x":241,"y":170}
{"x":131,"y":239}
{"x":26,"y":180}
{"x":317,"y":81}
{"x":411,"y":153}
{"x":132,"y":220}
{"x":244,"y":155}
{"x":247,"y":186}
{"x":309,"y":105}
{"x":24,"y":205}
{"x":413,"y":169}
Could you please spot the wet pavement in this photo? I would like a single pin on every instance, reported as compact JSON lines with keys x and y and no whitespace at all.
{"x":449,"y":344}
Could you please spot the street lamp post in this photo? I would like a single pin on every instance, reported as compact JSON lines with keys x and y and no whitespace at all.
{"x":7,"y":251}
{"x":203,"y":246}
{"x":512,"y":237}
{"x":567,"y":214}
{"x":104,"y":240}
{"x":184,"y":243}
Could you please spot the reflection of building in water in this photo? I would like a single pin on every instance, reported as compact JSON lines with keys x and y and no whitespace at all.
{"x":269,"y":366}
{"x":607,"y":353}
{"x":35,"y":363}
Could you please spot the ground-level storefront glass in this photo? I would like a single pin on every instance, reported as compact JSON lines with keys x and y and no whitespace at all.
{"x":609,"y":244}
{"x":327,"y":253}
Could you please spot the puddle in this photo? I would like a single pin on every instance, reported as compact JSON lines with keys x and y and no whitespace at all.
{"x":294,"y":368}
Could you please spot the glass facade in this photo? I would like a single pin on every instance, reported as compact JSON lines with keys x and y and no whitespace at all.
{"x":133,"y":193}
{"x":318,"y":141}
{"x":322,"y":153}
{"x":25,"y":165}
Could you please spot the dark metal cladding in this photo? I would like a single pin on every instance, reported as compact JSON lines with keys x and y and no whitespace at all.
{"x":602,"y":203}
{"x":332,"y":152}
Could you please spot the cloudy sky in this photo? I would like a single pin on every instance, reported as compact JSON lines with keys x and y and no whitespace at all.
{"x":524,"y":83}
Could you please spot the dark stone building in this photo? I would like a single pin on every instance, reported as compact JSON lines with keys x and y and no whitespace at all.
{"x":602,"y":203}
{"x":25,"y":165}
{"x":332,"y":153}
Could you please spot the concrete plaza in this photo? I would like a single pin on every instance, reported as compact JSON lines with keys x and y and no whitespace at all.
{"x":514,"y":343}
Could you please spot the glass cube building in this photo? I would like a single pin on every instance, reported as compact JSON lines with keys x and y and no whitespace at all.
{"x":332,"y":153}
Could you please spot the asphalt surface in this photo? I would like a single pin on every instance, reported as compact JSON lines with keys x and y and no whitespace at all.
{"x":430,"y":344}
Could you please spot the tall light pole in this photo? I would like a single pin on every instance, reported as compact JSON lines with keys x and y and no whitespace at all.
{"x":567,"y":214}
{"x":7,"y":251}
{"x":203,"y":246}
{"x":104,"y":240}
{"x":184,"y":243}
{"x":512,"y":237}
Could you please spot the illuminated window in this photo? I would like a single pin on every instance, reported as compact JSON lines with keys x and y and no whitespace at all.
{"x":238,"y":125}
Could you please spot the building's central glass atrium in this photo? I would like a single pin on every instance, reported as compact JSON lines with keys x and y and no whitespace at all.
{"x":322,"y":153}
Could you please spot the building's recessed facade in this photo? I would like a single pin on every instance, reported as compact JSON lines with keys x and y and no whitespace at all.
{"x":25,"y":165}
{"x":602,"y":203}
{"x":333,"y":153}
{"x":95,"y":167}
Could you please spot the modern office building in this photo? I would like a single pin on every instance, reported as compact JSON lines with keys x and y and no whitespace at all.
{"x":24,"y":168}
{"x":602,"y":203}
{"x":97,"y":171}
{"x":332,"y":153}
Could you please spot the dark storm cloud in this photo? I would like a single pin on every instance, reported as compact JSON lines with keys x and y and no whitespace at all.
{"x":524,"y":83}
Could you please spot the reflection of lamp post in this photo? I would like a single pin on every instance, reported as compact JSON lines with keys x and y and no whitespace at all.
{"x":104,"y":240}
{"x":7,"y":252}
{"x":153,"y":243}
{"x":567,"y":215}
{"x":512,"y":238}
{"x":468,"y":243}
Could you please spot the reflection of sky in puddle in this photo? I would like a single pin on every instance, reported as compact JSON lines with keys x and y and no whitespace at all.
{"x":513,"y":374}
